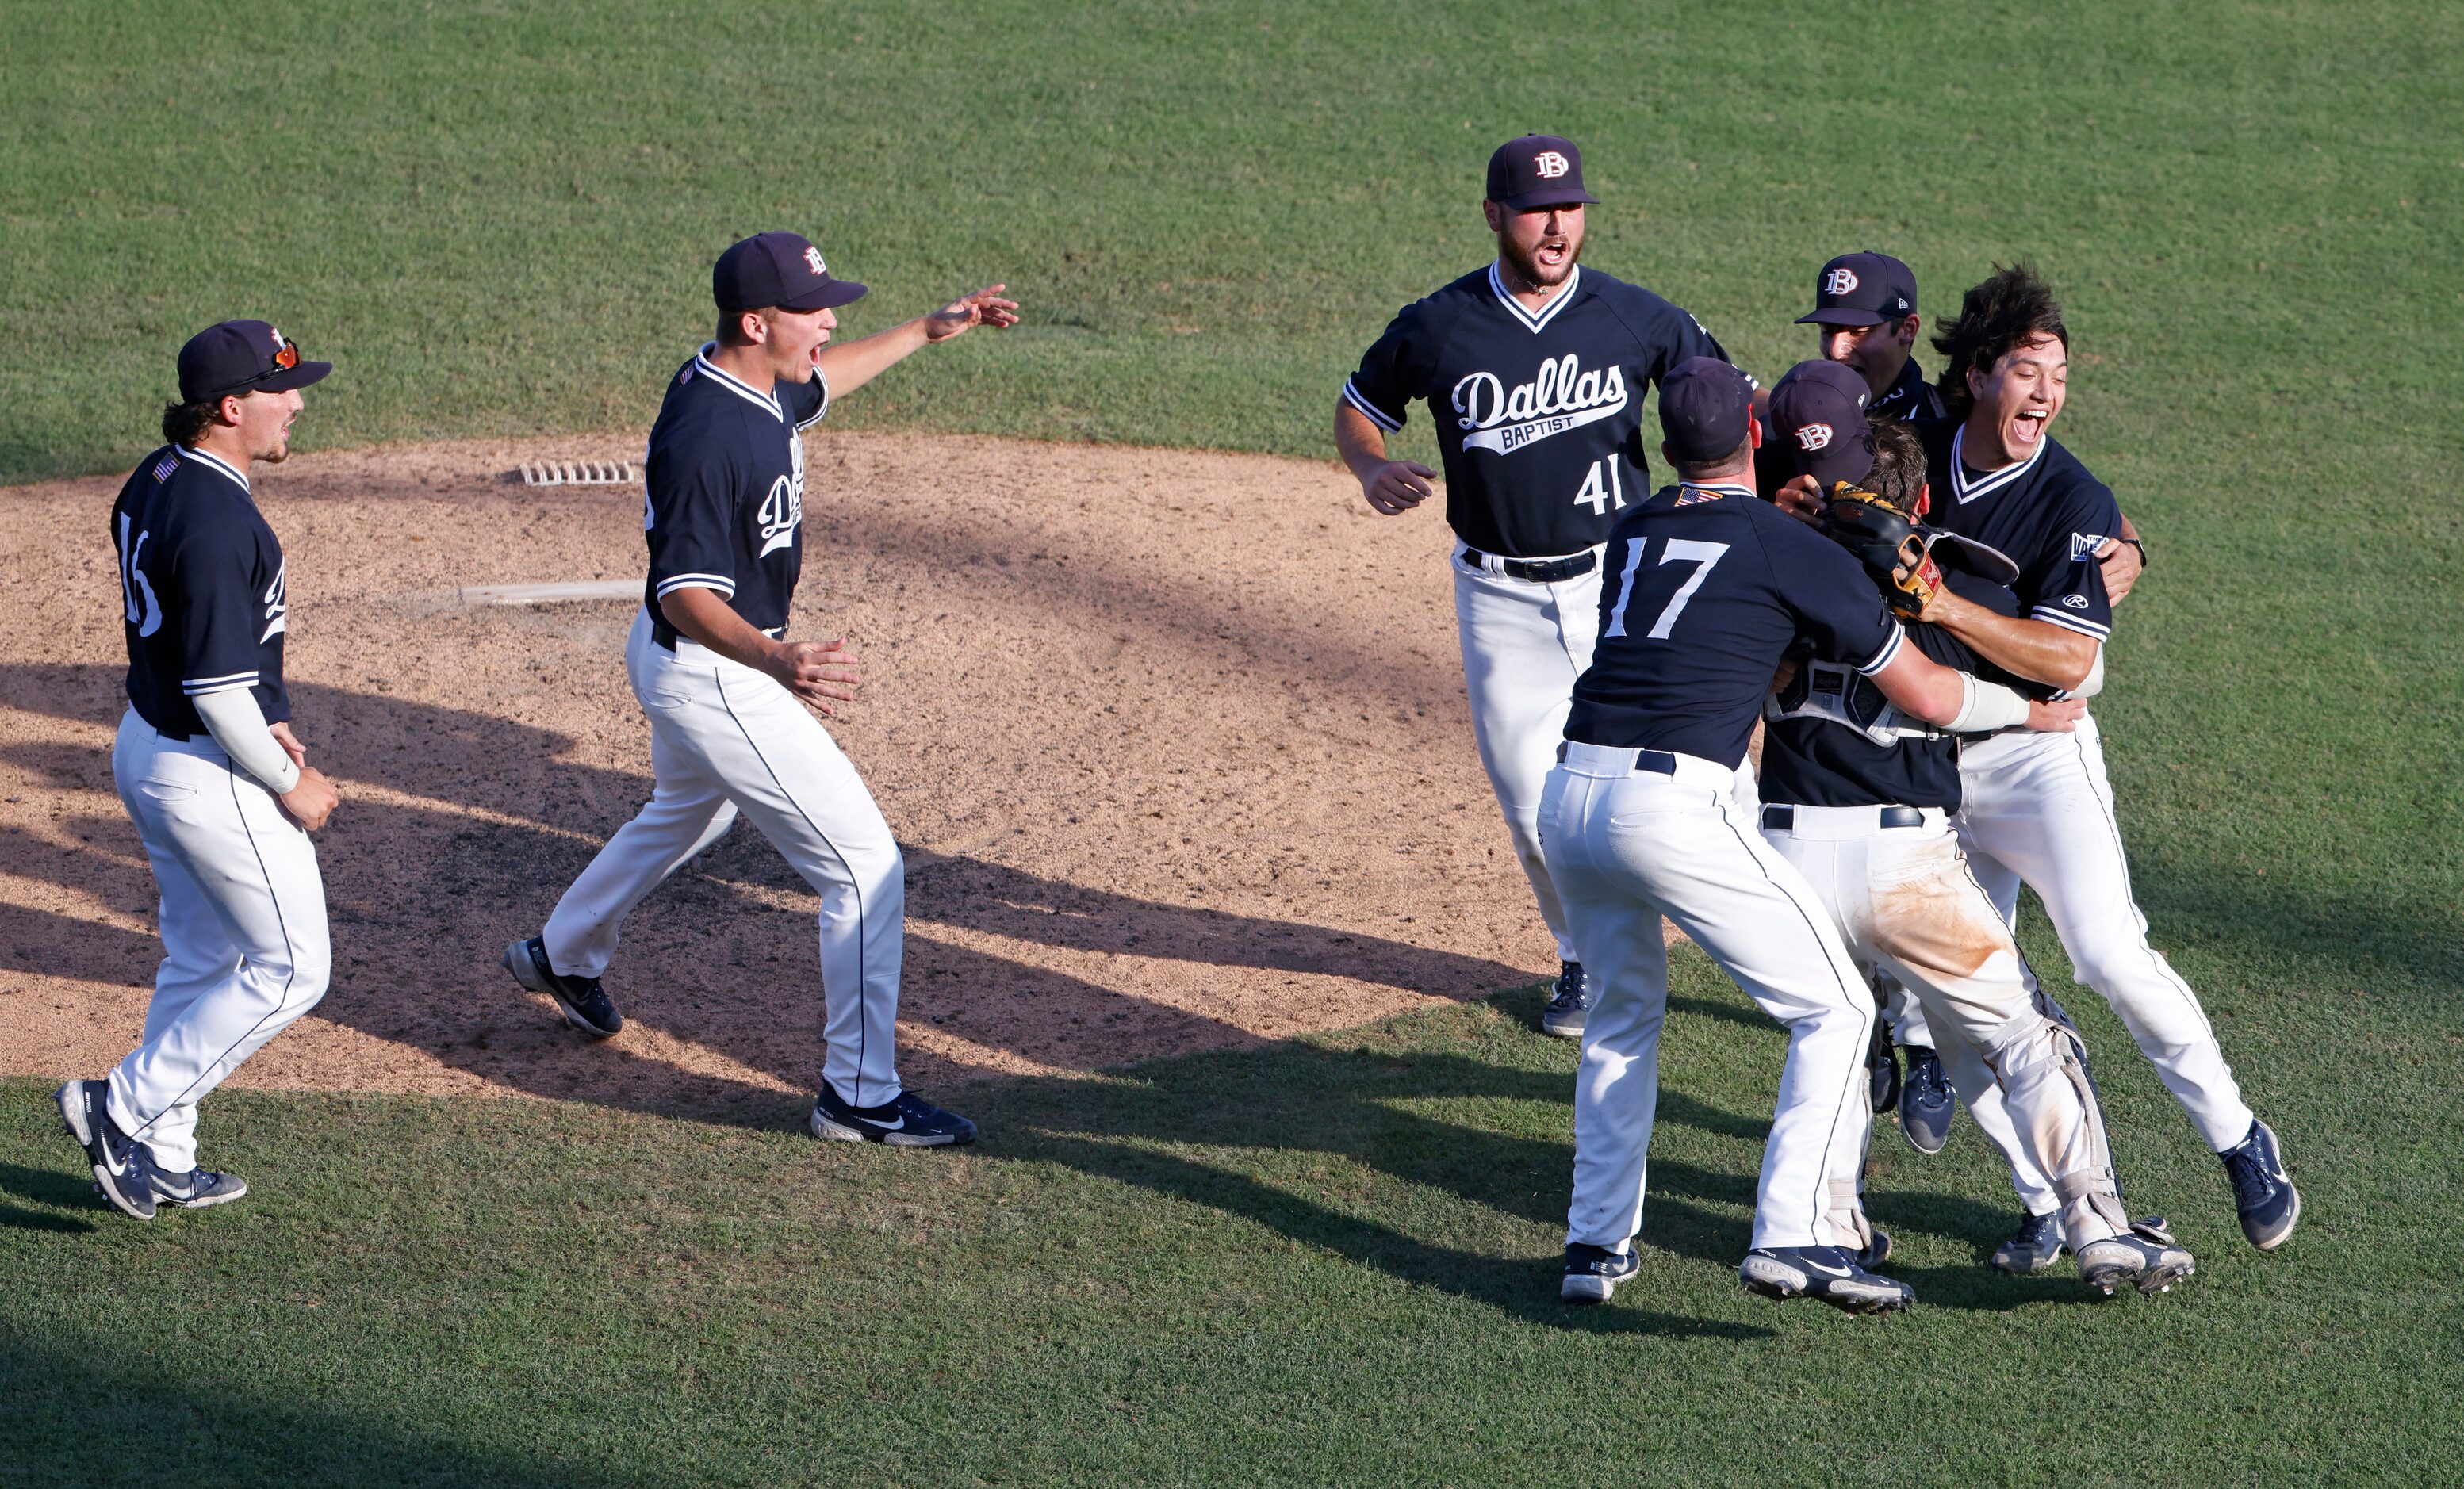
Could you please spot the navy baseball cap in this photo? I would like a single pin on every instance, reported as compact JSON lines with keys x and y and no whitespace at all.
{"x":1706,"y":406}
{"x":1862,"y":289}
{"x":242,"y":357}
{"x":1536,"y":171}
{"x":1818,"y":412}
{"x":780,"y":269}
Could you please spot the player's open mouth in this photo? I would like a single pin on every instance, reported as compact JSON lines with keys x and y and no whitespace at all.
{"x":1551,"y":254}
{"x":2029,"y":426}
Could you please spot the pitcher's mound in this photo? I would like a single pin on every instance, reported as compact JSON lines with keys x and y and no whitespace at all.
{"x":1177,"y":744}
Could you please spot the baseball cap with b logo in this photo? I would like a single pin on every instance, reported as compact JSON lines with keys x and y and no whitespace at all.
{"x":1862,"y":289}
{"x":1818,"y":417}
{"x":242,"y":357}
{"x":1534,"y":171}
{"x":780,"y":269}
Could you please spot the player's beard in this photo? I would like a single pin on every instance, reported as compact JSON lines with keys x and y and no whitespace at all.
{"x":1527,"y":269}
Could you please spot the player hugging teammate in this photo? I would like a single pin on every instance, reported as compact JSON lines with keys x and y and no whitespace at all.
{"x":1910,"y":788}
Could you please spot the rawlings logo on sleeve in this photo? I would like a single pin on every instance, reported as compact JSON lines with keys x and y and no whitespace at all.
{"x":1560,"y":397}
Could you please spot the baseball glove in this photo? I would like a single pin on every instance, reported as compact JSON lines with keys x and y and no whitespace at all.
{"x":1888,"y":542}
{"x":1905,"y":556}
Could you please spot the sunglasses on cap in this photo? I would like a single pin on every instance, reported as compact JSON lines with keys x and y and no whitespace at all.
{"x":286,"y":359}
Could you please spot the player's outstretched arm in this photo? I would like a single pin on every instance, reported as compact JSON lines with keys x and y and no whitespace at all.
{"x":2053,"y":655}
{"x":816,"y":671}
{"x":1953,"y":700}
{"x":1391,"y":486}
{"x":849,"y":365}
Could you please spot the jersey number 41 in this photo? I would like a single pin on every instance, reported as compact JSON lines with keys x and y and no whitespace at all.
{"x":1602,"y":486}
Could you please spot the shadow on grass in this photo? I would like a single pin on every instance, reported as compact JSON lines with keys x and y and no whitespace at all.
{"x":1165,"y":1128}
{"x":43,"y":1187}
{"x":162,"y":1432}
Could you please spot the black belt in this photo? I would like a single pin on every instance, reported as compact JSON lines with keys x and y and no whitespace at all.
{"x":1534,"y":571}
{"x":1659,"y":762}
{"x":1780,"y":818}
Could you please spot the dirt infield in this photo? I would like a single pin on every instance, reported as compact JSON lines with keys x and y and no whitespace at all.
{"x":1177,"y":744}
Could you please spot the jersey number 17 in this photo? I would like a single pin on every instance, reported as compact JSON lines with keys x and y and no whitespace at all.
{"x":1677,"y":550}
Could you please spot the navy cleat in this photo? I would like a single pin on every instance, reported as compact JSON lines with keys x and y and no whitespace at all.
{"x":1881,"y":1069}
{"x":1827,"y":1274}
{"x":198,"y":1189}
{"x":2036,"y":1245}
{"x":2263,"y":1192}
{"x":585,"y":1004}
{"x":1926,"y":1103}
{"x":1570,"y":1002}
{"x":2145,"y":1256}
{"x":124,"y":1167}
{"x":909,"y":1122}
{"x":1594,"y":1271}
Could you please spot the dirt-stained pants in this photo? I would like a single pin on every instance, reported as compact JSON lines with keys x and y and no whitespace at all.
{"x":1905,"y":903}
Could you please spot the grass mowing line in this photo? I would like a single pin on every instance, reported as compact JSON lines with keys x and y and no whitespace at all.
{"x":1246,"y":1266}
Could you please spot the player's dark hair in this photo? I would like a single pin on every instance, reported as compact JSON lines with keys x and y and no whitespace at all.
{"x":1899,"y":470}
{"x":2013,"y":307}
{"x":731,"y":328}
{"x":1697,"y":470}
{"x":186,"y":424}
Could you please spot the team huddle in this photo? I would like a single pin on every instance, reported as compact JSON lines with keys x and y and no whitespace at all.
{"x":1905,"y":585}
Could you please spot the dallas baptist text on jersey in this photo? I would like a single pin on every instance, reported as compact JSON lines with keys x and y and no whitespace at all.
{"x":1539,"y":413}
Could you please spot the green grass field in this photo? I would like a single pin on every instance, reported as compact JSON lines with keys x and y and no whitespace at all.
{"x":1329,"y":1263}
{"x":1332,"y":1261}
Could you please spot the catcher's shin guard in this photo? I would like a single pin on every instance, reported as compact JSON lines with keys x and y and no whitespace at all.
{"x":2054,"y":1107}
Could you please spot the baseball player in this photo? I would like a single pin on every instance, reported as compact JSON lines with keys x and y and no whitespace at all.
{"x":1859,"y":799}
{"x":206,"y":763}
{"x":1535,"y":369}
{"x":2038,"y":808}
{"x":1865,"y":319}
{"x":727,"y":692}
{"x":1709,"y":589}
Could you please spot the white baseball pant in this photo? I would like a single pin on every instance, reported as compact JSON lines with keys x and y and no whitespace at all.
{"x":245,"y":948}
{"x":1906,"y":904}
{"x":1523,"y":646}
{"x":2039,"y":808}
{"x":724,"y":738}
{"x":1627,"y":846}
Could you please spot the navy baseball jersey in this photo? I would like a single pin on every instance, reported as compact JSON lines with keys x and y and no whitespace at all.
{"x":1539,"y":414}
{"x":1830,"y":738}
{"x":2046,"y":512}
{"x":725,"y":510}
{"x":1705,"y":591}
{"x":201,"y":582}
{"x":1909,"y":398}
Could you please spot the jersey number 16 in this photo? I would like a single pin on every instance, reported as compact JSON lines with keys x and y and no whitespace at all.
{"x":1677,"y":550}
